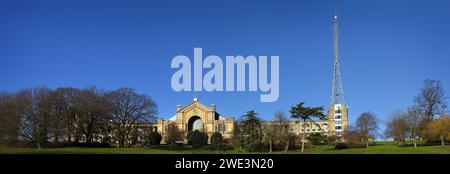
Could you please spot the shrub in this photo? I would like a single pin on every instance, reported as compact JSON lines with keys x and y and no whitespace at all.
{"x":340,"y":146}
{"x":437,"y":130}
{"x":155,"y":138}
{"x":357,"y":145}
{"x":316,"y":139}
{"x":217,"y":140}
{"x":188,"y":137}
{"x":197,"y":139}
{"x":331,"y":140}
{"x":227,"y":141}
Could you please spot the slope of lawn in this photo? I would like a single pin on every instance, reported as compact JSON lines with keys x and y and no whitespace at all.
{"x":383,"y":149}
{"x":87,"y":150}
{"x":378,"y":148}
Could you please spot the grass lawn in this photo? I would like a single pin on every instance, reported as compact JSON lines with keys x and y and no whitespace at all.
{"x":379,"y":148}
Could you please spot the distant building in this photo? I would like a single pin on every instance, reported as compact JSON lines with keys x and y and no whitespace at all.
{"x":300,"y":127}
{"x":197,"y":116}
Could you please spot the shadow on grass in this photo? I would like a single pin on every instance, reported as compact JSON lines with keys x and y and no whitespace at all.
{"x":172,"y":147}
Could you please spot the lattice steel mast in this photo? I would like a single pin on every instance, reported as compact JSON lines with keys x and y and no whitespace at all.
{"x":337,"y":90}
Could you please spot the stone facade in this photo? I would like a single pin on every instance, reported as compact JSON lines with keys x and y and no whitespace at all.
{"x":197,"y":116}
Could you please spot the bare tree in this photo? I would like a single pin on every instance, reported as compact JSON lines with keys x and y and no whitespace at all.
{"x":89,"y":113}
{"x":63,"y":123}
{"x":57,"y":115}
{"x":173,"y":134}
{"x":41,"y":116}
{"x":269,"y":134}
{"x":128,"y":109}
{"x":9,"y":119}
{"x":397,"y":127}
{"x":282,"y":129}
{"x":431,"y":99}
{"x":35,"y":111}
{"x":34,"y":114}
{"x":367,"y":124}
{"x":234,"y":139}
{"x":354,"y":137}
{"x":414,"y":117}
{"x":275,"y":132}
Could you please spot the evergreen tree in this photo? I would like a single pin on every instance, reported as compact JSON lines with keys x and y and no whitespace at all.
{"x":306,"y":114}
{"x":251,"y":134}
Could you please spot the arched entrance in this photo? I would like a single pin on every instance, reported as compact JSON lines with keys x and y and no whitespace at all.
{"x":195,"y":123}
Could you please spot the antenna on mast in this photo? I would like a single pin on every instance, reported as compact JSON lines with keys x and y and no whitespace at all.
{"x":337,"y":96}
{"x":335,"y":9}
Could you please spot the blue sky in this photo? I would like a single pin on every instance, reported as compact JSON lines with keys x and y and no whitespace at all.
{"x":387,"y":48}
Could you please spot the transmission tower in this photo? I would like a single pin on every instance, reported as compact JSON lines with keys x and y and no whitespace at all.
{"x":337,"y":90}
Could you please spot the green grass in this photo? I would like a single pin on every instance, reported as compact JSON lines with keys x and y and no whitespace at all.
{"x":379,"y":148}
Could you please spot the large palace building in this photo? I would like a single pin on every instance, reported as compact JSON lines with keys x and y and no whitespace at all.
{"x":197,"y":116}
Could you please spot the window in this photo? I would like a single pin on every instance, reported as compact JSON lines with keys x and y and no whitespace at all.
{"x":337,"y":111}
{"x":314,"y":129}
{"x":220,"y":128}
{"x":338,"y":122}
{"x":337,"y":127}
{"x":337,"y":117}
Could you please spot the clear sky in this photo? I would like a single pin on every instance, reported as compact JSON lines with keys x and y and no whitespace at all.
{"x":388,"y":48}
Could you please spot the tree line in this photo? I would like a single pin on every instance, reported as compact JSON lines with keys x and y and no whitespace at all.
{"x":44,"y":117}
{"x":256,"y":135}
{"x":419,"y":122}
{"x":425,"y":120}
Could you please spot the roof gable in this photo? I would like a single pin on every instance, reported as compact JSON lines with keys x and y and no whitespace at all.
{"x":195,"y":104}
